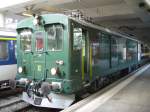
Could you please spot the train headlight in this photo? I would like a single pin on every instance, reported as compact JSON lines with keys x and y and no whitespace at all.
{"x":53,"y":71}
{"x":20,"y":69}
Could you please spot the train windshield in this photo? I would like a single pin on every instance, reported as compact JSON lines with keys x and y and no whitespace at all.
{"x":25,"y":40}
{"x":39,"y":41}
{"x":55,"y":37}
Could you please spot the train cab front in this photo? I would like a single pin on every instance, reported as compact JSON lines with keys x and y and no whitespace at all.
{"x":43,"y":65}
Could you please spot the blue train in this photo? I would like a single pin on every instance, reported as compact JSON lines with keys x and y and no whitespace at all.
{"x":8,"y":66}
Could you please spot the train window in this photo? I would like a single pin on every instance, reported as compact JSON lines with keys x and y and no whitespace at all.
{"x":104,"y":51}
{"x":55,"y":37}
{"x":114,"y":51}
{"x":139,"y":52}
{"x":39,"y":41}
{"x":100,"y":50}
{"x":95,"y":41}
{"x":3,"y":50}
{"x":122,"y":50}
{"x":77,"y":38}
{"x":25,"y":40}
{"x":15,"y":49}
{"x":131,"y":50}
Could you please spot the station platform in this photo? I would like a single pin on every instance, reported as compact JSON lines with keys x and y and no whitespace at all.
{"x":130,"y":94}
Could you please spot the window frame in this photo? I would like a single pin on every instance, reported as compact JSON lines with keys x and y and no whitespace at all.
{"x":31,"y":49}
{"x":35,"y":42}
{"x":47,"y":41}
{"x":81,"y":37}
{"x":8,"y":50}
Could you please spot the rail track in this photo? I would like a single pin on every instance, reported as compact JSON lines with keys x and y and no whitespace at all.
{"x":12,"y":102}
{"x":4,"y":93}
{"x":15,"y":104}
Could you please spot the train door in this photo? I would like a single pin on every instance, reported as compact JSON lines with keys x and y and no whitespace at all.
{"x":81,"y":53}
{"x":85,"y":56}
{"x":39,"y":55}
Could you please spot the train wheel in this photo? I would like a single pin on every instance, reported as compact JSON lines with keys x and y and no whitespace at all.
{"x":106,"y":81}
{"x":100,"y":83}
{"x":94,"y":86}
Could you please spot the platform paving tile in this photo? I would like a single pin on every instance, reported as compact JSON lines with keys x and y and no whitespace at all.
{"x":135,"y":97}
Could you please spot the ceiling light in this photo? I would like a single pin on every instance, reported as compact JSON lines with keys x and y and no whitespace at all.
{"x":27,"y":14}
{"x":148,"y":2}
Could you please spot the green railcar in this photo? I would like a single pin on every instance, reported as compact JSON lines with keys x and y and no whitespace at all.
{"x":59,"y":56}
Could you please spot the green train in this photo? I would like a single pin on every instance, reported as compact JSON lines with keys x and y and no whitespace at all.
{"x":58,"y":56}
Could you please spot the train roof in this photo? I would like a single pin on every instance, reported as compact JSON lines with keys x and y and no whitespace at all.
{"x":82,"y":22}
{"x":88,"y":24}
